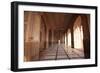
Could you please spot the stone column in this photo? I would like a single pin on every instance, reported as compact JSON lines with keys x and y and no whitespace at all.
{"x":86,"y":36}
{"x":47,"y":38}
{"x":52,"y":37}
{"x":72,"y":37}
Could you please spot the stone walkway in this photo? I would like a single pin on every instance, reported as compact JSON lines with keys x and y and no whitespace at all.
{"x":57,"y":52}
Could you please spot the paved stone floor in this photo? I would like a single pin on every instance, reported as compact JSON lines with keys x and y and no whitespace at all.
{"x":56,"y":52}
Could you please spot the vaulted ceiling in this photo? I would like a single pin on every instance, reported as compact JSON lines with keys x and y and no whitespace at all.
{"x":57,"y":21}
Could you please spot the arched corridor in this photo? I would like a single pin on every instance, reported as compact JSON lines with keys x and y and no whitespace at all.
{"x":55,"y":36}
